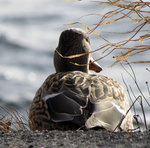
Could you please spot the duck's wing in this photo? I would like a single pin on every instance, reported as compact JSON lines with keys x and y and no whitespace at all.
{"x":62,"y":97}
{"x":65,"y":106}
{"x":110,"y":105}
{"x":106,"y":114}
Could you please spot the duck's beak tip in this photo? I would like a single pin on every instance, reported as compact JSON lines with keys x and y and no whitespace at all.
{"x":94,"y":66}
{"x":98,"y":70}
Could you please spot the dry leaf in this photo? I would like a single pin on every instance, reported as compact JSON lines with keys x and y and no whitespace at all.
{"x":123,"y":57}
{"x":94,"y":32}
{"x":71,"y":56}
{"x":113,"y":14}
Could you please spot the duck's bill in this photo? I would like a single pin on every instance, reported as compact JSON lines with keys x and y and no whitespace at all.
{"x":94,"y":66}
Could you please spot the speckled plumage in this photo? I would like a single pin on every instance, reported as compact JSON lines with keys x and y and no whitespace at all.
{"x":97,"y":98}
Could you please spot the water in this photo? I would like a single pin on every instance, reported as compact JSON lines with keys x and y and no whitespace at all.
{"x":29,"y":32}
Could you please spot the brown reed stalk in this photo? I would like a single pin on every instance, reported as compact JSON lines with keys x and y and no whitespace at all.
{"x":138,"y":13}
{"x":123,"y":117}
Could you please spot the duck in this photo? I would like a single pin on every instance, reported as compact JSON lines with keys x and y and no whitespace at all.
{"x":73,"y":97}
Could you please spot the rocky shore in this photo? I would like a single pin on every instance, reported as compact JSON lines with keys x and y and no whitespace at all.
{"x":74,"y":139}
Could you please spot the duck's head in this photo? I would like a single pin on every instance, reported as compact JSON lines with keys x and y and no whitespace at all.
{"x":73,"y":52}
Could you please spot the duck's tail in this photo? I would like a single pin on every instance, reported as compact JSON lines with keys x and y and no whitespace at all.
{"x":66,"y":106}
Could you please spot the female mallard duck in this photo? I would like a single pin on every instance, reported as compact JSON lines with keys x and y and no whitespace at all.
{"x":72,"y":96}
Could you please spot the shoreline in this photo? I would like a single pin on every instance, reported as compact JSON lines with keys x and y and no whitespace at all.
{"x":74,"y":139}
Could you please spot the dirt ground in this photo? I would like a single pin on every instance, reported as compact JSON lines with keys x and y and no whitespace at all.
{"x":74,"y":139}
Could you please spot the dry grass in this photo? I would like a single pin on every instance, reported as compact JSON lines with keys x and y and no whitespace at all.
{"x":138,"y":100}
{"x":11,"y":119}
{"x":135,"y":13}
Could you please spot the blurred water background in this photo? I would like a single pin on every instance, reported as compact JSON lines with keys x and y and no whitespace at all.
{"x":29,"y":33}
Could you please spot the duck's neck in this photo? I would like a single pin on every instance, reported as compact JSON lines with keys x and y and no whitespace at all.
{"x":66,"y":64}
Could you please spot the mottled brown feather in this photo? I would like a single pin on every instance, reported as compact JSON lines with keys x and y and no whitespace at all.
{"x":96,"y":88}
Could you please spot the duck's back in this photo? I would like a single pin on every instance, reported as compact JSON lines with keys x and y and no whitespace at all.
{"x":90,"y":100}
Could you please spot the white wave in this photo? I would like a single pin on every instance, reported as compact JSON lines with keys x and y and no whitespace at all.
{"x":17,"y":74}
